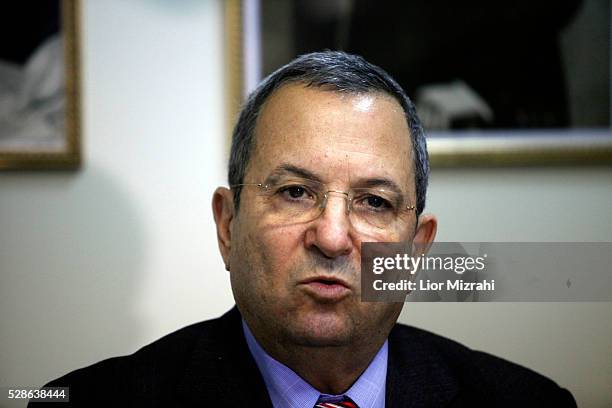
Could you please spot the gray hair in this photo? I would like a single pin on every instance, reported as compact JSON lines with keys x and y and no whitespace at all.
{"x":338,"y":72}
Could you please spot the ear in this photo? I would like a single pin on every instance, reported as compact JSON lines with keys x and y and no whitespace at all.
{"x":425,"y":233}
{"x":223,"y":212}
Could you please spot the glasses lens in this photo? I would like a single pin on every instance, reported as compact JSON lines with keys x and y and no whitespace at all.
{"x":377,"y":208}
{"x":293,"y":200}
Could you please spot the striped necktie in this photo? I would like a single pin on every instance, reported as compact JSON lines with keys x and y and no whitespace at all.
{"x":342,"y":401}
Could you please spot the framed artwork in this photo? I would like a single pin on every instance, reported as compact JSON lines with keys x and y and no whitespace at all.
{"x":494,"y":86}
{"x":39,"y":85}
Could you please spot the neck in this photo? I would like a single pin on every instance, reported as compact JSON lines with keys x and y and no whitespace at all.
{"x":330,"y":370}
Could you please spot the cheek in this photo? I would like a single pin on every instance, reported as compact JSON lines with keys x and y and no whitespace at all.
{"x":279,"y":247}
{"x":263,"y":257}
{"x":401,"y":235}
{"x":377,"y":317}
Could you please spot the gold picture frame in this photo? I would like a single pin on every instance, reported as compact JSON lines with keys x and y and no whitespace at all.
{"x":67,"y":156}
{"x":234,"y":82}
{"x":498,"y":148}
{"x":521,"y":148}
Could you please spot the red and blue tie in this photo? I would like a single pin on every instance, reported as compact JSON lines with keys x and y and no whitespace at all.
{"x":326,"y":401}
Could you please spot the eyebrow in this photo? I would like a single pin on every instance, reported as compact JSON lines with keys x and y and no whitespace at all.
{"x":285,"y":169}
{"x":386,"y":183}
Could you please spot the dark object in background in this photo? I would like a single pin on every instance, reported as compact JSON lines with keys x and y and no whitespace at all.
{"x":24,"y":25}
{"x":508,"y":53}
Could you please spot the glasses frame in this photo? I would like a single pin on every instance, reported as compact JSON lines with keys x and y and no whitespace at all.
{"x":323,"y":196}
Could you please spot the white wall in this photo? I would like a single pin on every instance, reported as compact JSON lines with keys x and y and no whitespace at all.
{"x":569,"y":342}
{"x":102,"y":261}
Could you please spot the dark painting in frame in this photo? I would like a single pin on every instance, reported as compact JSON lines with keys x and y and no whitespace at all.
{"x":545,"y":137}
{"x":40,"y":79}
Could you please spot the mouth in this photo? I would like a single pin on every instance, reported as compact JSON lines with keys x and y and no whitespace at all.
{"x":326,"y":289}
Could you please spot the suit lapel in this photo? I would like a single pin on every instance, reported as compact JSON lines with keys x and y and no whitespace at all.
{"x":417,"y":376}
{"x":222,"y":371}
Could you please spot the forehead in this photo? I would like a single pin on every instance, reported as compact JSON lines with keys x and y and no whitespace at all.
{"x":334,"y":135}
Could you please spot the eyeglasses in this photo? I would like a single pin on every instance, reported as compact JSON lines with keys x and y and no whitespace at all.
{"x":299,"y":200}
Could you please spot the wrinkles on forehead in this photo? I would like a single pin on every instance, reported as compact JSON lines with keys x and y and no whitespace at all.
{"x":333,"y":136}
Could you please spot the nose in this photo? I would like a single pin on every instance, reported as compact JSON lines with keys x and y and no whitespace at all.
{"x":331,"y":231}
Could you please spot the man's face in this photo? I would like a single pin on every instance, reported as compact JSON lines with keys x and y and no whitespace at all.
{"x":299,"y":282}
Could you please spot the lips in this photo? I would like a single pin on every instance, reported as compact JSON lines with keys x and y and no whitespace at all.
{"x":326,"y":289}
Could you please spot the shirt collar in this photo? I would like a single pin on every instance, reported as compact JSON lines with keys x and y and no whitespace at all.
{"x":287,"y":389}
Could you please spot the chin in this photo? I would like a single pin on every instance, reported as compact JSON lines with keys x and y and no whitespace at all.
{"x":321,"y":331}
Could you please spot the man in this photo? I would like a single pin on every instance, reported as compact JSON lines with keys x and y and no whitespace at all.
{"x":327,"y":153}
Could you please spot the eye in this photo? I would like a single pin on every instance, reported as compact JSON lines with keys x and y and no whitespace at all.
{"x":295,"y":192}
{"x":374,"y":203}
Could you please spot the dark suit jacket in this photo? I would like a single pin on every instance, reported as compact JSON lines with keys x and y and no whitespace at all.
{"x":209,"y":364}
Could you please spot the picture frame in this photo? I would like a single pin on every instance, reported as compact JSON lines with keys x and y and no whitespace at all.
{"x":453,"y":148}
{"x":44,"y":133}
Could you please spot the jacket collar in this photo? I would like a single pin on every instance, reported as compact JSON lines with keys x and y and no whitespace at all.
{"x":417,"y":375}
{"x":222,"y":370}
